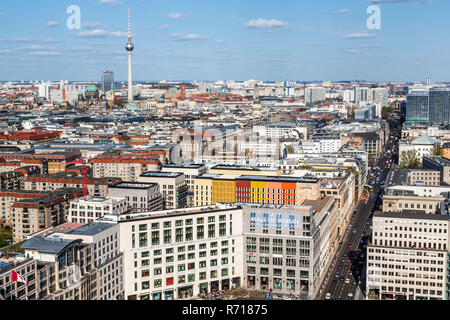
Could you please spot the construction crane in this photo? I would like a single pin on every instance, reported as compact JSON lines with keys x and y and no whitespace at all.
{"x":111,"y":97}
{"x":83,"y":162}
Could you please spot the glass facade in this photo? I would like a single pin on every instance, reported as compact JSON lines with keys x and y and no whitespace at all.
{"x":440,"y":105}
{"x":417,"y":106}
{"x":107,"y":80}
{"x":432,"y":106}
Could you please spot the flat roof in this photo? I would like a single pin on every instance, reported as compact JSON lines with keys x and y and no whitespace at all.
{"x":412,"y":215}
{"x":157,"y":174}
{"x":91,"y":229}
{"x":238,"y":167}
{"x":134,"y":185}
{"x":187,"y":165}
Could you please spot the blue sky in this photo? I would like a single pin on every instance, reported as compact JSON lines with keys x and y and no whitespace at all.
{"x":220,"y":40}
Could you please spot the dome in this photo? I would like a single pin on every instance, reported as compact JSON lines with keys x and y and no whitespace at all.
{"x":257,"y":101}
{"x":92,"y":88}
{"x":161,"y":100}
{"x":129,"y":47}
{"x":132,"y":106}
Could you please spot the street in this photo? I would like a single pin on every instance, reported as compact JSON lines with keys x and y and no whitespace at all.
{"x":347,"y":271}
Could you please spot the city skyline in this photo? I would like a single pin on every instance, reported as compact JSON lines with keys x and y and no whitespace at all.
{"x":301,"y":40}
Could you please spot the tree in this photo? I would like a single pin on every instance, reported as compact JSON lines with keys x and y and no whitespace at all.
{"x":409,"y":159}
{"x":438,"y":151}
{"x":386,"y":112}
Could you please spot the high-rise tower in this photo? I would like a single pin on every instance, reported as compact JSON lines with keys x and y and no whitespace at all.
{"x":129,"y":47}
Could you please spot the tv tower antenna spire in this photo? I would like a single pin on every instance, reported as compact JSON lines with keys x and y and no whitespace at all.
{"x":129,"y":47}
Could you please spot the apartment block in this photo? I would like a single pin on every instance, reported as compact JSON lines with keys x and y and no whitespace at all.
{"x":32,"y":212}
{"x":173,"y":186}
{"x":139,"y":195}
{"x":93,"y":208}
{"x":125,"y":169}
{"x":191,"y":171}
{"x":96,"y":186}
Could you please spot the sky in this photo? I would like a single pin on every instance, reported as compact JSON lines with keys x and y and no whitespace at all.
{"x":300,"y":40}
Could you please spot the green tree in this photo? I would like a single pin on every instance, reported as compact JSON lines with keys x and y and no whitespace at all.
{"x":438,"y":151}
{"x":386,"y":112}
{"x":409,"y":160}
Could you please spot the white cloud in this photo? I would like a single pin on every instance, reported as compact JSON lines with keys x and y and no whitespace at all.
{"x":110,"y":2}
{"x":174,"y":15}
{"x":351,"y":51}
{"x":35,"y":47}
{"x":186,"y":37}
{"x":44,"y":53}
{"x":267,"y":25}
{"x":91,"y":25}
{"x":52,"y":24}
{"x":3,"y":15}
{"x":370,"y":45}
{"x":358,"y":36}
{"x":166,"y":26}
{"x":342,"y":11}
{"x":100,"y":33}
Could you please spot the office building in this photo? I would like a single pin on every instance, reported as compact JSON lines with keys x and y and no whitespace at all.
{"x":417,"y":106}
{"x":408,"y":257}
{"x":179,"y":254}
{"x":107,"y":81}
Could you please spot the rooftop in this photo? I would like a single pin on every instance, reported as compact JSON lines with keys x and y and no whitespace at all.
{"x":411,"y":215}
{"x":47,"y":245}
{"x":134,"y":185}
{"x":185,"y":165}
{"x":91,"y":229}
{"x":157,"y":174}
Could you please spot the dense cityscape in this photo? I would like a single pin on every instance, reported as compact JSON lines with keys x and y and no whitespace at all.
{"x":224,"y":190}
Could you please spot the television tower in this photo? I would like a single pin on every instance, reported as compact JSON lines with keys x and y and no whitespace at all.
{"x":129,"y":47}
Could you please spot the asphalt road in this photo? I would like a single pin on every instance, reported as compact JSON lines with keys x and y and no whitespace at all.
{"x":347,"y":271}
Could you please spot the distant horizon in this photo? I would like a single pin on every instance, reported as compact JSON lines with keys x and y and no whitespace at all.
{"x":264,"y":81}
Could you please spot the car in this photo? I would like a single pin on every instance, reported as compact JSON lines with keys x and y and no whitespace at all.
{"x":354,"y":230}
{"x":337,"y":274}
{"x":350,"y":294}
{"x":342,"y":278}
{"x":346,"y":267}
{"x":347,"y":280}
{"x":349,"y":261}
{"x":349,"y":245}
{"x":339,"y":267}
{"x":354,"y":283}
{"x":328,"y":296}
